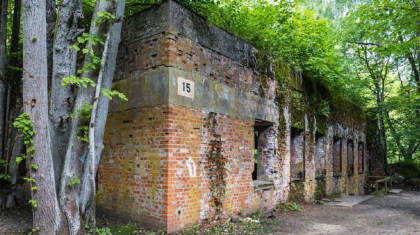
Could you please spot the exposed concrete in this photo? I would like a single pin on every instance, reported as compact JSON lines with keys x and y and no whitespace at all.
{"x":349,"y":201}
{"x":396,"y":191}
{"x":146,"y":89}
{"x":160,"y":86}
{"x":211,"y":96}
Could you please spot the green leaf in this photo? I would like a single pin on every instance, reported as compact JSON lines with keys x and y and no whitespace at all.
{"x":110,"y":94}
{"x":81,"y":40}
{"x":30,"y":180}
{"x":33,"y":202}
{"x":77,"y":81}
{"x":4,"y":176}
{"x":30,"y":149}
{"x":76,"y":47}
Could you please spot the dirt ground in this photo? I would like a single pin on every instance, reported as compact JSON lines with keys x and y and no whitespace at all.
{"x":16,"y":221}
{"x":389,"y":214}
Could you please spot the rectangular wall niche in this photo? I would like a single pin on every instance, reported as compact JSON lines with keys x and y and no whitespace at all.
{"x":297,"y":158}
{"x":337,"y":156}
{"x":350,"y":157}
{"x":264,"y":152}
{"x":320,"y":170}
{"x":361,"y":157}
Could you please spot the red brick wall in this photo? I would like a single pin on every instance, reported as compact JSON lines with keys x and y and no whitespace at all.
{"x":144,"y":176}
{"x":192,"y":199}
{"x":132,"y":169}
{"x":173,"y":50}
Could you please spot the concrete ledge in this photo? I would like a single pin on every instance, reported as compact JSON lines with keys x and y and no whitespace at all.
{"x":263,"y":185}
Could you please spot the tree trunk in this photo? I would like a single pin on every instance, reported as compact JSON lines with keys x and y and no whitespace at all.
{"x":17,"y":148}
{"x":64,"y":64}
{"x":77,"y":149}
{"x":2,"y":117}
{"x":75,"y":201}
{"x":378,"y":93}
{"x":13,"y":144}
{"x":3,"y":33}
{"x":51,"y":19}
{"x":46,"y":215}
{"x":100,"y":113}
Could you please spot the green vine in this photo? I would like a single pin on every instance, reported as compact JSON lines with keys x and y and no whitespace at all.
{"x":79,"y":80}
{"x":24,"y":125}
{"x":217,"y":171}
{"x":4,"y":175}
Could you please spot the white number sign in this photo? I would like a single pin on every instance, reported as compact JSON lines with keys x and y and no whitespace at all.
{"x":185,"y":88}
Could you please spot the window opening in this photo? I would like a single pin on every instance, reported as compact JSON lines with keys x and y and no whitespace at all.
{"x":263,"y":150}
{"x":350,"y":157}
{"x":297,"y":158}
{"x":337,"y":156}
{"x":254,"y":173}
{"x":320,"y":170}
{"x":361,"y":157}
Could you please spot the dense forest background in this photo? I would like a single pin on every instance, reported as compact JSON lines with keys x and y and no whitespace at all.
{"x":367,"y":52}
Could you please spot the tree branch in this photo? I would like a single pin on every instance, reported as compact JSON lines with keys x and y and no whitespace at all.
{"x":367,"y":44}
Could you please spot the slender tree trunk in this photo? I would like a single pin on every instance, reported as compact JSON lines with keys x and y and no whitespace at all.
{"x":3,"y":33}
{"x":17,"y":148}
{"x":51,"y":19}
{"x":381,"y":125}
{"x":46,"y":215}
{"x":2,"y":117}
{"x":13,"y":143}
{"x":378,"y":93}
{"x":100,"y":113}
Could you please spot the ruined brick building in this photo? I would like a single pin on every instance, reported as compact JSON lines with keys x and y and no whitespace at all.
{"x":213,"y":127}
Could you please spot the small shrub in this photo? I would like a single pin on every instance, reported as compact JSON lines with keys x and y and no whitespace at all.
{"x":288,"y":207}
{"x":256,"y":215}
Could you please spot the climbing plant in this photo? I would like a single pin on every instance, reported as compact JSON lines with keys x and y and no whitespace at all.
{"x":217,"y":171}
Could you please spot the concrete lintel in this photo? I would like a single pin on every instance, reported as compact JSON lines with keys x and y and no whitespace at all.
{"x":212,"y":96}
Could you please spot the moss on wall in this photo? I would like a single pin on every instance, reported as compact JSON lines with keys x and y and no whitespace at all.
{"x":320,"y":191}
{"x":297,"y":192}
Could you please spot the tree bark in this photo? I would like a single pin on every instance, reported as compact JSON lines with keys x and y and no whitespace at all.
{"x":77,"y":149}
{"x":12,"y":108}
{"x":51,"y":19}
{"x":67,"y":212}
{"x":3,"y":34}
{"x":100,"y":113}
{"x":17,"y":148}
{"x":64,"y":64}
{"x":46,"y":215}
